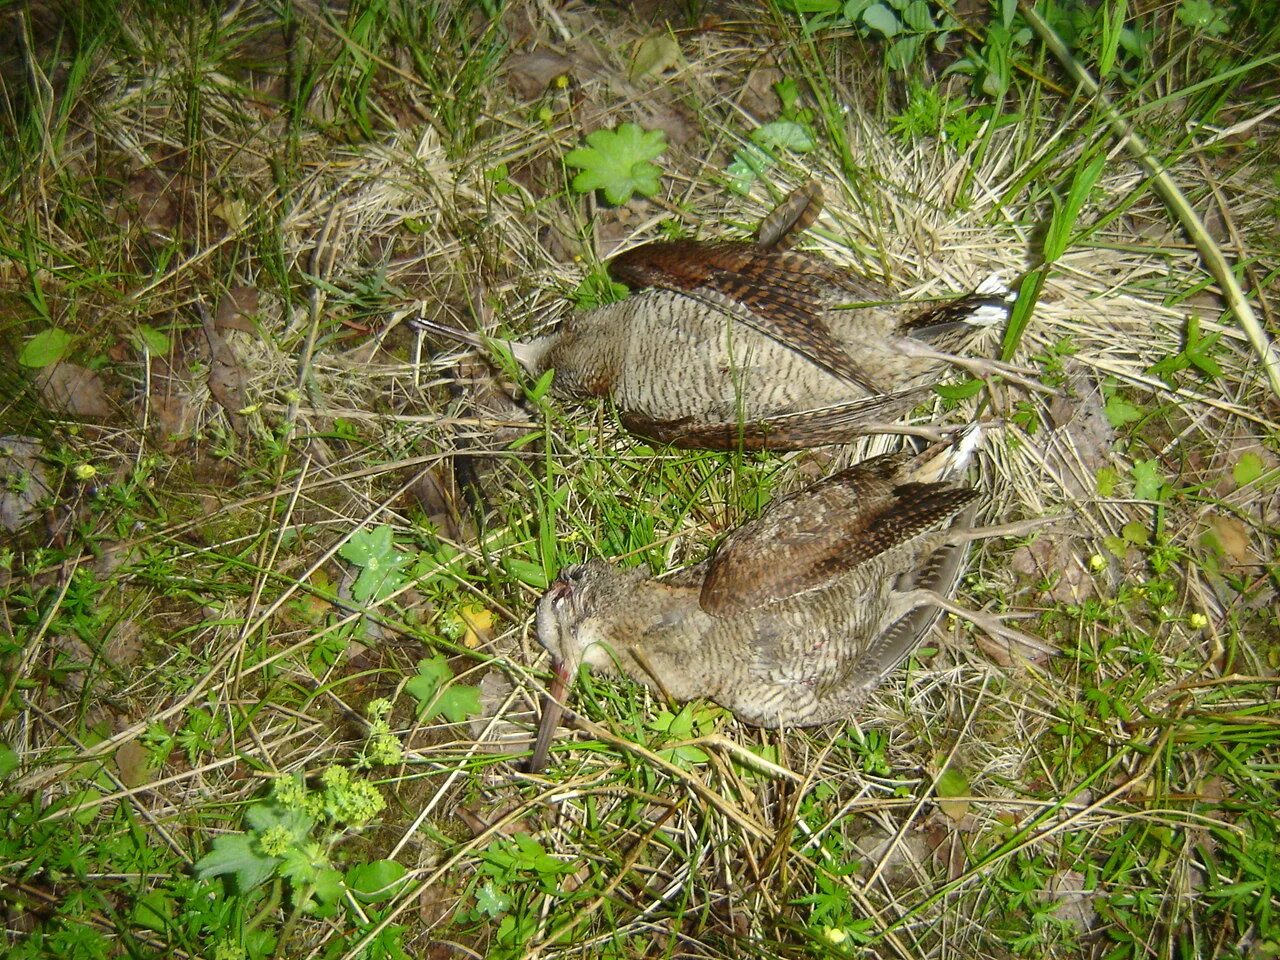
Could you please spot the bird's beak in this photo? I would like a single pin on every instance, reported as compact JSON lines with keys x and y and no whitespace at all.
{"x":552,"y":708}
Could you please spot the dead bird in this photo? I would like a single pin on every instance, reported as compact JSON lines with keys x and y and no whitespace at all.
{"x":798,"y":614}
{"x":749,"y":344}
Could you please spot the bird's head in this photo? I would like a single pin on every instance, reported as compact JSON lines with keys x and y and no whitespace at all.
{"x":571,"y":630}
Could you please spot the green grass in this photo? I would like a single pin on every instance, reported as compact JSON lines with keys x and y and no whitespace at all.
{"x":197,"y":624}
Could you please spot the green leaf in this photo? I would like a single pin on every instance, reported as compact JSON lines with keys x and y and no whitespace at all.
{"x":1107,"y":480}
{"x":1199,"y":349}
{"x":46,"y":348}
{"x":371,"y":882}
{"x":952,"y":783}
{"x":747,"y":165}
{"x":1248,"y":469}
{"x":264,"y":816}
{"x":1120,"y":411}
{"x":432,"y":674}
{"x":157,"y":343}
{"x":1112,"y":26}
{"x":236,"y":854}
{"x":617,"y":162}
{"x":881,"y":19}
{"x":380,"y":562}
{"x":1134,"y":532}
{"x":1204,"y":16}
{"x":788,"y":92}
{"x":1147,"y":482}
{"x":153,"y":911}
{"x":918,"y":17}
{"x":8,"y":760}
{"x":528,"y":573}
{"x":959,"y":391}
{"x":902,"y":52}
{"x":784,"y":135}
{"x":492,"y":901}
{"x":1065,"y":214}
{"x":328,"y":886}
{"x":457,"y":701}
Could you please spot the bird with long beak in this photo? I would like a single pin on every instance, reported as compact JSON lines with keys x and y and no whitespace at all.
{"x":748,"y":344}
{"x":797,"y":615}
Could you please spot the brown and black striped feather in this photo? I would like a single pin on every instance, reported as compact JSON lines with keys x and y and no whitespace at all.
{"x":782,"y":294}
{"x":804,"y":542}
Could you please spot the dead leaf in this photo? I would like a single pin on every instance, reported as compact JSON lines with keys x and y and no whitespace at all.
{"x":150,"y":200}
{"x":655,"y":55}
{"x":438,"y":498}
{"x":234,"y":310}
{"x":1055,"y":560}
{"x":226,"y":378}
{"x":1074,"y":900}
{"x":1230,"y":536}
{"x":131,"y":763}
{"x":529,"y":74}
{"x":480,"y":821}
{"x":234,"y":213}
{"x":673,"y":119}
{"x":758,"y":97}
{"x":24,"y":481}
{"x":479,"y":621}
{"x":74,"y":390}
{"x":124,"y":645}
{"x":498,"y":727}
{"x":1082,"y":438}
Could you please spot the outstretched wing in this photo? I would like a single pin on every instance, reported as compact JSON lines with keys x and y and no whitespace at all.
{"x":802,"y":542}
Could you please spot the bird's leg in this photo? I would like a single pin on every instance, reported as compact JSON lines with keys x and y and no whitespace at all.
{"x":1019,"y":528}
{"x":980,"y":367}
{"x":930,"y":432}
{"x":989,"y":623}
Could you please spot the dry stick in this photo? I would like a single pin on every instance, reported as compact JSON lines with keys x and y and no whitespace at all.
{"x":1214,"y":259}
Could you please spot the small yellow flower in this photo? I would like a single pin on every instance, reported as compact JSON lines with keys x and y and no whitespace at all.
{"x":562,"y":81}
{"x":1197,"y":621}
{"x":84,"y":471}
{"x":1097,"y":563}
{"x":834,"y":935}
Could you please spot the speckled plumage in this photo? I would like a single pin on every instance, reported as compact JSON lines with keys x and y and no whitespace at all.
{"x":749,"y":344}
{"x":795,"y":617}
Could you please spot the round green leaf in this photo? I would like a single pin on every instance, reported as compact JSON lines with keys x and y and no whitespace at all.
{"x":881,"y":19}
{"x":46,"y":348}
{"x":371,"y":882}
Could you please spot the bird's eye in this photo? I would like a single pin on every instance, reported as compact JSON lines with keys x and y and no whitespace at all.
{"x":560,"y":592}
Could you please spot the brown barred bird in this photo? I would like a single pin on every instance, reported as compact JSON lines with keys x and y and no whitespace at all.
{"x":797,"y":615}
{"x":749,"y":344}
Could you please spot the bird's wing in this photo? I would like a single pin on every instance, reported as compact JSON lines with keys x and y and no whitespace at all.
{"x":782,"y":226}
{"x":801,"y":543}
{"x":938,"y":573}
{"x":780,"y":293}
{"x":839,"y":423}
{"x":948,"y":325}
